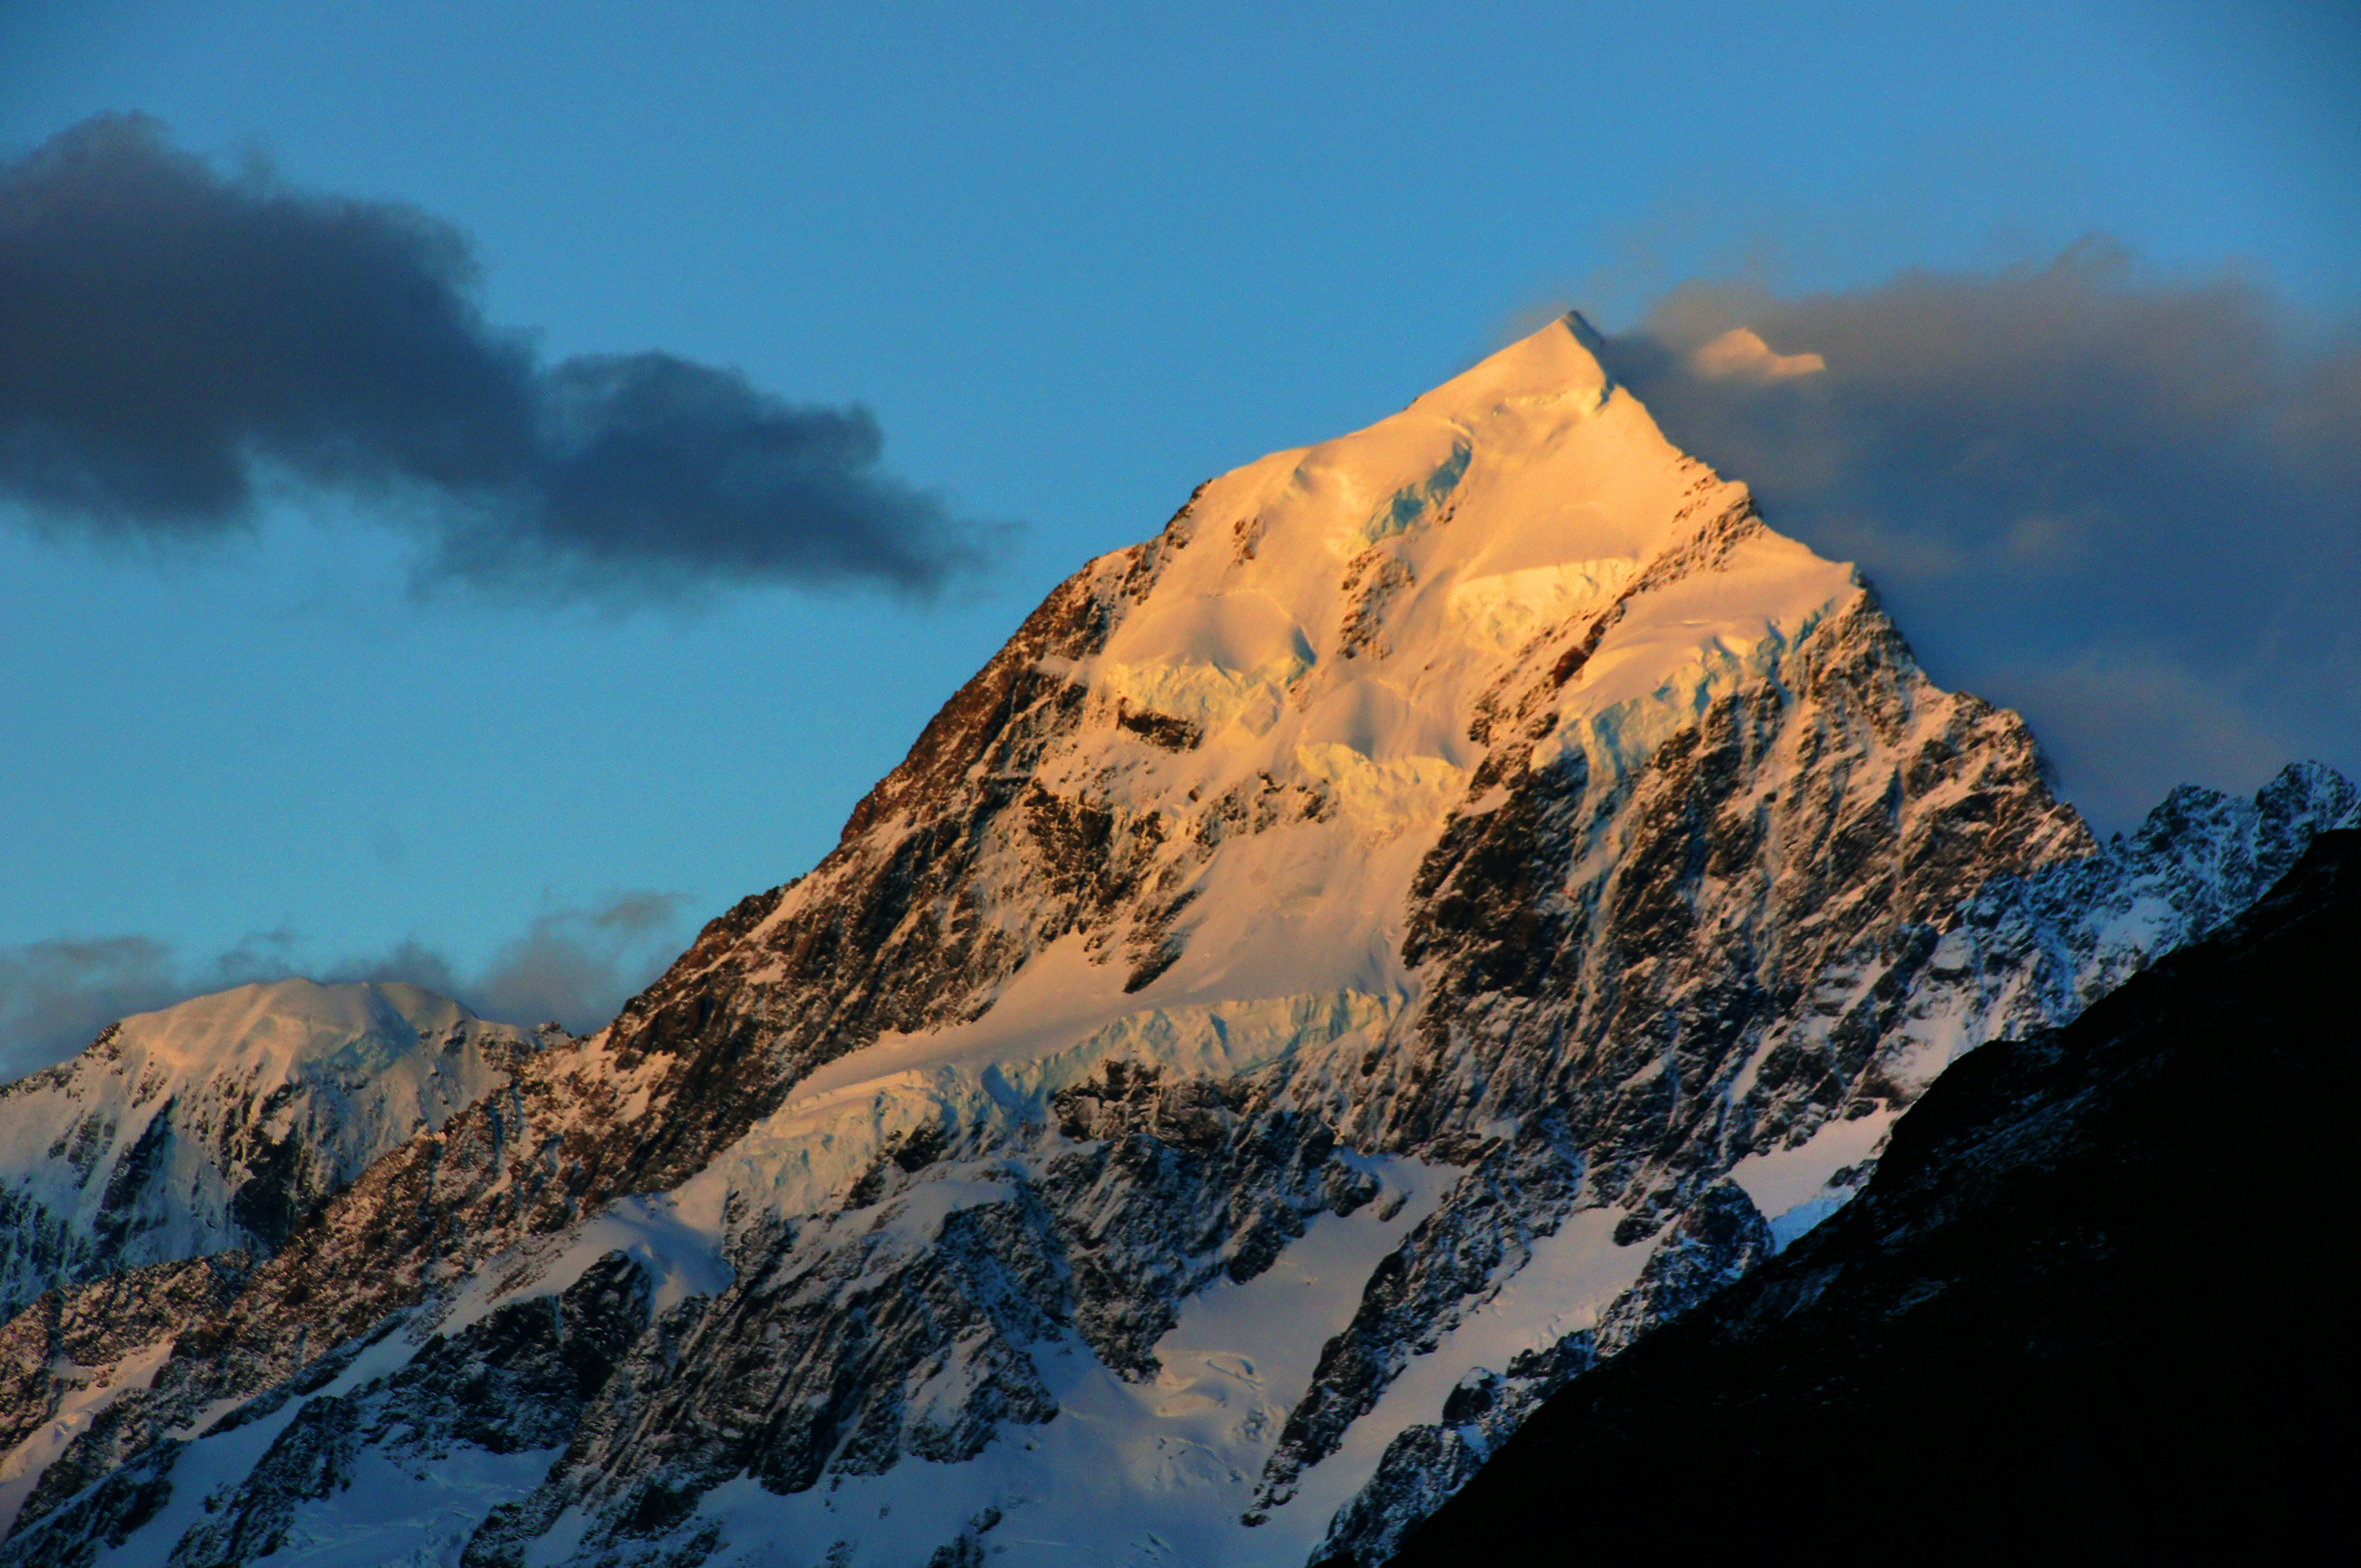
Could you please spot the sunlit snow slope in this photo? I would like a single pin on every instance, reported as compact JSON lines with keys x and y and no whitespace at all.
{"x":1456,"y":897}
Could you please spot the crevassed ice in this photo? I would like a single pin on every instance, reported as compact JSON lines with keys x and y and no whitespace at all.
{"x":1619,"y":738}
{"x":1398,"y":512}
{"x":1387,"y":797}
{"x":803,"y":1157}
{"x":1207,"y":694}
{"x":1507,"y":608}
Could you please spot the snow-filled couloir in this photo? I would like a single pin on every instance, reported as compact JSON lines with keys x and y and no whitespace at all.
{"x":1454,"y":897}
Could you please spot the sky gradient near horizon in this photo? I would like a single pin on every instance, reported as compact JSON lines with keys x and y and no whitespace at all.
{"x":1075,"y":262}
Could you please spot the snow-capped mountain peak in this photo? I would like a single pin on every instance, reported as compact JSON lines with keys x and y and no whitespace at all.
{"x":219,"y":1123}
{"x":1455,"y":897}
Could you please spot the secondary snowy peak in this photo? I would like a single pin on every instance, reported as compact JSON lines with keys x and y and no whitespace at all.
{"x":221,"y":1123}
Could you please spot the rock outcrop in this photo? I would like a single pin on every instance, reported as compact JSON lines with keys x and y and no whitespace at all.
{"x":1999,"y":1341}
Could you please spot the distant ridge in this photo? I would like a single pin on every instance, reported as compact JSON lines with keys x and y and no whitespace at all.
{"x":221,"y":1123}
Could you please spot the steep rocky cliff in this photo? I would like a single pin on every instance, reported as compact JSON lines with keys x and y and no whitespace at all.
{"x":1450,"y":901}
{"x":1997,"y":1349}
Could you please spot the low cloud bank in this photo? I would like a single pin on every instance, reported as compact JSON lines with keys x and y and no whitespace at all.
{"x":575,"y":966}
{"x":176,"y":343}
{"x":2129,"y":507}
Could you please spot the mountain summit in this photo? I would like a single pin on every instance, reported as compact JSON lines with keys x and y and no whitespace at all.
{"x":1456,"y":897}
{"x":223,"y":1123}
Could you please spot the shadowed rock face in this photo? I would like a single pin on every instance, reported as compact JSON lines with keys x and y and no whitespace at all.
{"x":67,"y":1339}
{"x":1383,"y":832}
{"x":2062,"y":1323}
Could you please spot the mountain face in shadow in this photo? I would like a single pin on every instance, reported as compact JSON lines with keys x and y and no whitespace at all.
{"x":2094,"y":1307}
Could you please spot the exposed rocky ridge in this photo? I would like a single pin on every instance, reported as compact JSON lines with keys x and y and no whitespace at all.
{"x":97,"y":1324}
{"x":2079,"y":929}
{"x":501,"y":1394}
{"x":2022,"y":955}
{"x":1714,"y":1241}
{"x":73,"y":1353}
{"x":1994,"y":1341}
{"x":515,"y":1382}
{"x":1538,"y":852}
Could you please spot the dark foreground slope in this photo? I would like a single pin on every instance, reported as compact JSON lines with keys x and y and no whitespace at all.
{"x":2096,"y":1306}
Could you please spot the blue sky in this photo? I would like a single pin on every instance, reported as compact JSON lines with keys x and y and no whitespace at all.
{"x":1075,"y":259}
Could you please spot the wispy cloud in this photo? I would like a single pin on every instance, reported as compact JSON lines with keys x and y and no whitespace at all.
{"x":576,"y":966}
{"x":55,"y":996}
{"x":175,"y":341}
{"x":2129,"y":505}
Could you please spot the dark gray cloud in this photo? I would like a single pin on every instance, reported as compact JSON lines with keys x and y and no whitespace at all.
{"x":2129,"y":507}
{"x":175,"y":341}
{"x":575,"y":966}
